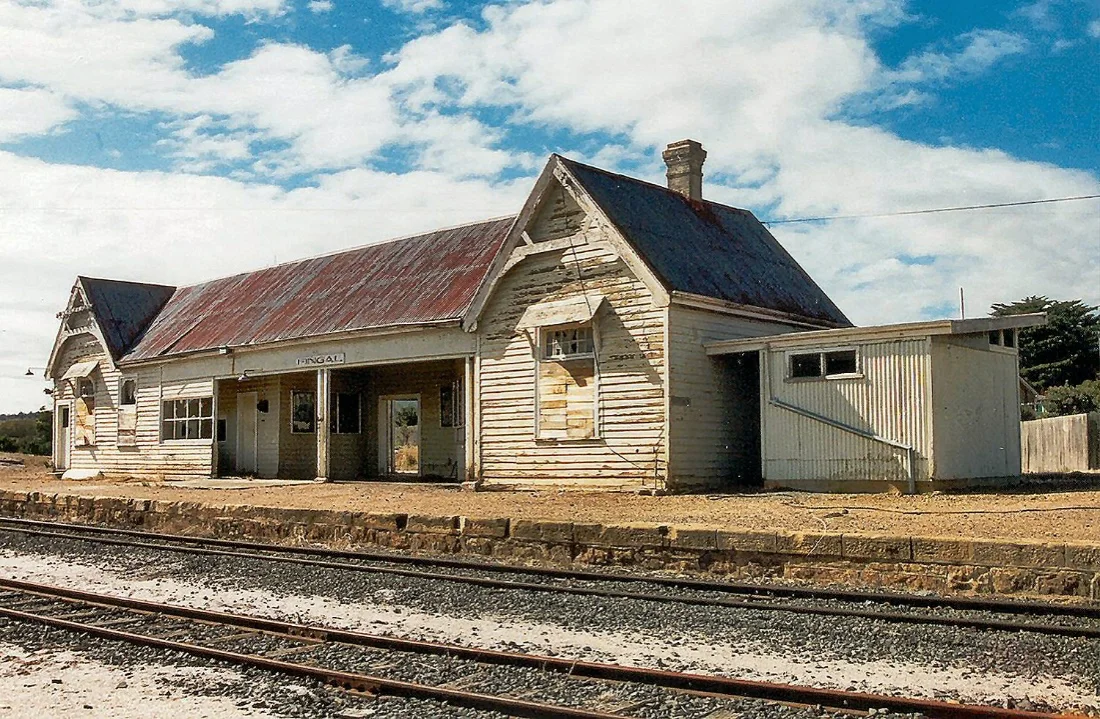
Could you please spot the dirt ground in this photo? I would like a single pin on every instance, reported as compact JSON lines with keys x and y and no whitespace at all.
{"x":1062,"y":515}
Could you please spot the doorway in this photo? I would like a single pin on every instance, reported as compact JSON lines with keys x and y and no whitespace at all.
{"x":399,"y":450}
{"x":62,"y":435}
{"x":247,"y":432}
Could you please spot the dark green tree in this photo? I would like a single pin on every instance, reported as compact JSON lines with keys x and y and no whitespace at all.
{"x":1062,"y":352}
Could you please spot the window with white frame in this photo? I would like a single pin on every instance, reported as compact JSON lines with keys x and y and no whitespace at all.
{"x":828,"y":364}
{"x":567,"y":342}
{"x":303,"y":413}
{"x":567,"y":380}
{"x":187,"y":418}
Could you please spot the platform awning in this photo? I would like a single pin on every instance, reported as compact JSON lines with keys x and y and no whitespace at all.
{"x":575,"y":310}
{"x":81,"y":369}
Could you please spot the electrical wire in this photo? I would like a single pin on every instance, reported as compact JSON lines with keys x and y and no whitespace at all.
{"x":930,"y":211}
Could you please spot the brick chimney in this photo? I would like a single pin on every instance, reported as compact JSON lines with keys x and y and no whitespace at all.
{"x":685,"y":168}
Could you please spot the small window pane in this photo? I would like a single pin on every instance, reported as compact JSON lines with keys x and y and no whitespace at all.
{"x":303,"y":414}
{"x":206,"y":429}
{"x":181,"y":408}
{"x":806,"y":365}
{"x":192,"y":429}
{"x":168,"y":429}
{"x":995,"y":337}
{"x":842,"y":362}
{"x":193,"y":408}
{"x":129,"y":392}
{"x":1010,"y":338}
{"x":206,"y":407}
{"x":166,"y":409}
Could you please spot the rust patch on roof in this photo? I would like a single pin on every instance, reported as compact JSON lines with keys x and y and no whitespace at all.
{"x":417,"y":280}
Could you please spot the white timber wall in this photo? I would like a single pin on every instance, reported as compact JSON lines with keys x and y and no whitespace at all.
{"x":630,"y":450}
{"x":714,"y":419}
{"x":150,"y":456}
{"x":891,"y":398}
{"x":975,"y":392}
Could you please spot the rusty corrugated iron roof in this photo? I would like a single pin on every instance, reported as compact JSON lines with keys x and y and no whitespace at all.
{"x":123,"y":309}
{"x":416,"y":280}
{"x":706,"y":248}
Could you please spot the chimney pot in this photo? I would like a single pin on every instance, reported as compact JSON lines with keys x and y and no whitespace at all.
{"x":685,"y":168}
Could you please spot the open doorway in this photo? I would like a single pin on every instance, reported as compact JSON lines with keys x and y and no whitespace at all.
{"x":743,"y":416}
{"x":62,"y":435}
{"x":399,"y":450}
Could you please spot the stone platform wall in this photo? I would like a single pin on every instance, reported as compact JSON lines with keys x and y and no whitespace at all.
{"x":943,"y":565}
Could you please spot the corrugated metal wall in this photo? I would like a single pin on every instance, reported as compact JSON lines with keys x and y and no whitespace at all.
{"x":890,"y":399}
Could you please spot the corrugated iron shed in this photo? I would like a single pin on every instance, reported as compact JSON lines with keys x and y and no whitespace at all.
{"x":123,"y":309}
{"x":706,"y":248}
{"x":416,"y":280}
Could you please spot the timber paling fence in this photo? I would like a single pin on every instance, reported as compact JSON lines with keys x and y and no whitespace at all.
{"x":1061,"y":444}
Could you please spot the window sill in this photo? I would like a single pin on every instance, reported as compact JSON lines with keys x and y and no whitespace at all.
{"x":848,"y":375}
{"x":188,"y":441}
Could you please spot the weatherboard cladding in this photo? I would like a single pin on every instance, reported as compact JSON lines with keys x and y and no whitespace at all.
{"x":124,"y":309}
{"x":427,"y":278}
{"x":705,"y":248}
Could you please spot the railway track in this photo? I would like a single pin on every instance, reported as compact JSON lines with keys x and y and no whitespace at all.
{"x":1077,"y":620}
{"x":465,"y":676}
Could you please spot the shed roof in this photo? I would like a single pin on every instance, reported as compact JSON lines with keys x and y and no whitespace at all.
{"x":877,"y":333}
{"x":705,"y":248}
{"x":416,"y":280}
{"x":123,"y":309}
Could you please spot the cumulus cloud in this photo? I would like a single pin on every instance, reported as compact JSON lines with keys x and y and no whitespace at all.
{"x":320,"y":6}
{"x":767,"y":86}
{"x":31,"y":111}
{"x":413,"y":6}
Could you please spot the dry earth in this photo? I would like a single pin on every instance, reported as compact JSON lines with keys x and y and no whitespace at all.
{"x":1049,"y":515}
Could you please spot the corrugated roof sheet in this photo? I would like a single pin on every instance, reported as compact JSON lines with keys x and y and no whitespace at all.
{"x":706,"y":248}
{"x":427,"y":278}
{"x":124,"y":309}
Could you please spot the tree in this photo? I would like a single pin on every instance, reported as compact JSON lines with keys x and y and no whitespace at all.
{"x":1083,"y":398}
{"x":1064,"y":351}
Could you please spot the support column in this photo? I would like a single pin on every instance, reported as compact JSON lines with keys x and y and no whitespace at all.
{"x":324,"y":387}
{"x":472,"y":474}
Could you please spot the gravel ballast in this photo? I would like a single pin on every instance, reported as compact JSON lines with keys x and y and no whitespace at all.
{"x":1023,"y":669}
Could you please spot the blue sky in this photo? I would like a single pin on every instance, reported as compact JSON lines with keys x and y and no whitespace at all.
{"x":176,"y":141}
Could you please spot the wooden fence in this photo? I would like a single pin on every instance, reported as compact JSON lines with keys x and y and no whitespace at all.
{"x":1061,"y":444}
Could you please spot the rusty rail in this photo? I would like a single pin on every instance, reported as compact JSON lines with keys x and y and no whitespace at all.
{"x":714,"y":686}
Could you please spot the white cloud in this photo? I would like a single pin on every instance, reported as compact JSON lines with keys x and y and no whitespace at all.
{"x":1093,"y":29}
{"x":320,"y":6}
{"x":414,"y":6}
{"x":981,"y":50}
{"x":31,"y":111}
{"x":764,"y":85}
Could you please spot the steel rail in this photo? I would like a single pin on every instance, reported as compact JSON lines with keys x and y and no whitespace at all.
{"x":983,"y":624}
{"x":1090,"y":610}
{"x":716,"y":686}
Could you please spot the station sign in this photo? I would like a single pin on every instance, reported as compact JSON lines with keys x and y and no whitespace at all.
{"x":318,"y":360}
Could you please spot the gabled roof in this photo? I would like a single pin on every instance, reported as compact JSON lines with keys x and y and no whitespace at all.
{"x":417,"y":280}
{"x":123,"y":309}
{"x":705,"y":248}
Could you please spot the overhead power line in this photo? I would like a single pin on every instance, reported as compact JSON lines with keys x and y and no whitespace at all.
{"x":932,"y":210}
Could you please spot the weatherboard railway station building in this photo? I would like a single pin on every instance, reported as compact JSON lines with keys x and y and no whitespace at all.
{"x":615,"y":334}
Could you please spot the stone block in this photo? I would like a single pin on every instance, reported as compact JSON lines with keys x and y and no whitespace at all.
{"x":430,"y":524}
{"x":530,"y":530}
{"x":485,"y":527}
{"x":693,"y":538}
{"x":865,"y":546}
{"x":621,"y":535}
{"x":809,"y":543}
{"x":1083,"y":556}
{"x":389,"y":522}
{"x":941,"y":550}
{"x":747,"y":541}
{"x":993,"y":553}
{"x":1009,"y":581}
